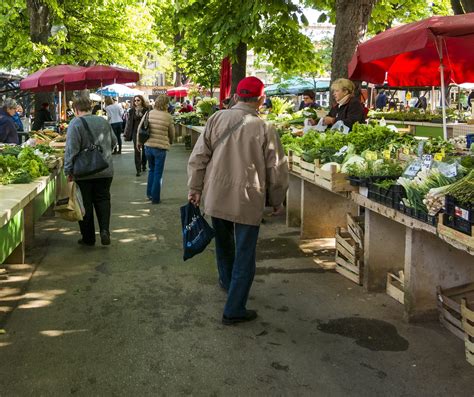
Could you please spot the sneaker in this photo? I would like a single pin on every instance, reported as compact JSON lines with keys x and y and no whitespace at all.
{"x":105,"y":237}
{"x":249,"y":316}
{"x":82,"y":242}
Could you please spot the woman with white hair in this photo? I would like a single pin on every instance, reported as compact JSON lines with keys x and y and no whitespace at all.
{"x":8,"y":131}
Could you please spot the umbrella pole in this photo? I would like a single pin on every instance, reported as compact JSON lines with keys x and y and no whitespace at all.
{"x":439,"y":43}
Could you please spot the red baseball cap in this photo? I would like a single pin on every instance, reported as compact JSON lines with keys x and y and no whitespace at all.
{"x":250,"y":87}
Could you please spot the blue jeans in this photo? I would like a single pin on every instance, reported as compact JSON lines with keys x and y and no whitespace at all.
{"x":156,"y":162}
{"x":236,"y":246}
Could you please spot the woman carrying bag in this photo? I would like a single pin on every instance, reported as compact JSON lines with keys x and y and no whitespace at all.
{"x":83,"y":131}
{"x":161,"y":137}
{"x":135,"y":115}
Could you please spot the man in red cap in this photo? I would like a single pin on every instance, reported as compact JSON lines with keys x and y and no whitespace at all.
{"x":235,"y":160}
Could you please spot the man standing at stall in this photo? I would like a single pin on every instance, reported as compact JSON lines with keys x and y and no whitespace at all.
{"x":235,"y":160}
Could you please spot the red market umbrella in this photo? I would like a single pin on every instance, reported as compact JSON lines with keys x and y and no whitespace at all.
{"x":50,"y":79}
{"x":99,"y":75}
{"x":432,"y":52}
{"x":179,"y":92}
{"x":226,"y":80}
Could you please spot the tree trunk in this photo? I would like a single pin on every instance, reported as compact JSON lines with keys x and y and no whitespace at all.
{"x":178,"y":70}
{"x":40,"y":31}
{"x":462,"y":6}
{"x":239,"y":68}
{"x":352,"y":17}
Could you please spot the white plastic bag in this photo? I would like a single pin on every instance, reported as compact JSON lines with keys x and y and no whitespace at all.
{"x":340,"y":126}
{"x":320,"y":126}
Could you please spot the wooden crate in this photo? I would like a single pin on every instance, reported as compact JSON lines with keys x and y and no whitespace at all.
{"x":332,"y":180}
{"x":307,"y":170}
{"x":355,"y":227}
{"x":468,"y":327}
{"x":396,"y":287}
{"x":349,"y":257}
{"x":449,"y":306}
{"x":294,"y":162}
{"x":455,"y":235}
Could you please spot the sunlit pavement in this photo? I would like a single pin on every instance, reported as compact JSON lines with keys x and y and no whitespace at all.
{"x":132,"y":319}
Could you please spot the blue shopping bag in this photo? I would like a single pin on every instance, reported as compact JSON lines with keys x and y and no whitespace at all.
{"x":197,"y":234}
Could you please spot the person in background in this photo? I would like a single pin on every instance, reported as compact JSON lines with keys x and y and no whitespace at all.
{"x":69,"y":111}
{"x":308,"y":100}
{"x":17,"y":118}
{"x":381,"y":100}
{"x":232,"y":176}
{"x":161,"y":128}
{"x":97,"y":108}
{"x":470,"y":99}
{"x":95,"y":189}
{"x":41,"y":116}
{"x":421,"y":103}
{"x":136,"y":113}
{"x":187,"y":107}
{"x":8,"y":130}
{"x":171,"y":106}
{"x":126,"y":109}
{"x":114,"y":116}
{"x":348,"y":107}
{"x":268,"y":104}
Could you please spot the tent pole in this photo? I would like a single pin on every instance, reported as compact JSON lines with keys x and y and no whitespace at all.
{"x":439,"y":43}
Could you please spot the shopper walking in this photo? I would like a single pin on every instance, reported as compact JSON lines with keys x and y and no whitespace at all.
{"x":95,"y":188}
{"x":161,"y":129}
{"x":114,"y":116}
{"x":136,"y":112}
{"x":235,"y":160}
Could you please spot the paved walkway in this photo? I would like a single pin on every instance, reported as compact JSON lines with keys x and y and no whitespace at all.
{"x":132,"y":319}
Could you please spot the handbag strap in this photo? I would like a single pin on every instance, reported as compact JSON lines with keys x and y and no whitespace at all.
{"x":228,"y":132}
{"x":145,"y":122}
{"x":89,"y":133}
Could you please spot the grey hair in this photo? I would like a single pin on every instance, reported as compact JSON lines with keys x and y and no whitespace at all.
{"x":9,"y":103}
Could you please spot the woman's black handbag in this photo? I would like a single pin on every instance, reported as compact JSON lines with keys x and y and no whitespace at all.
{"x":144,"y":132}
{"x":89,"y":160}
{"x":197,"y":233}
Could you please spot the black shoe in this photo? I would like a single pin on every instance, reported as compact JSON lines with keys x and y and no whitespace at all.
{"x":249,"y":316}
{"x":105,"y":237}
{"x":138,"y":173}
{"x":82,"y":242}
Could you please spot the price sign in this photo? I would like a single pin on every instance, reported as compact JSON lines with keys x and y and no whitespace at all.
{"x":427,"y":160}
{"x":450,"y":171}
{"x":342,"y":150}
{"x":386,"y":154}
{"x":370,"y":155}
{"x":439,"y":156}
{"x":412,"y":170}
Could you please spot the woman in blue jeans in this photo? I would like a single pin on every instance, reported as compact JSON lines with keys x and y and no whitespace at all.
{"x":161,"y":138}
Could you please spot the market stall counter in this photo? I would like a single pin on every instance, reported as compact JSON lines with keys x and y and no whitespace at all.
{"x":392,"y":241}
{"x":21,"y":205}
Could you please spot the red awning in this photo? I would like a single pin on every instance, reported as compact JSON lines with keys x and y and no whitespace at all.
{"x":410,"y":55}
{"x":50,"y":79}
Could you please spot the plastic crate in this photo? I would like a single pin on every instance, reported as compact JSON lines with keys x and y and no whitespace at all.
{"x":457,"y":223}
{"x":457,"y":210}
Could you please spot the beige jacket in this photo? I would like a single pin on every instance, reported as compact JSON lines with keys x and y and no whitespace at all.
{"x":161,"y":129}
{"x":234,"y":174}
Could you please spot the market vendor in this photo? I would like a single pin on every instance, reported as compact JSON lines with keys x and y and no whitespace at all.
{"x":309,"y":100}
{"x":42,"y":116}
{"x":8,"y":131}
{"x":348,"y":107}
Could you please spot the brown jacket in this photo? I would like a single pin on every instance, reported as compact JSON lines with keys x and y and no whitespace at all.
{"x":234,"y":175}
{"x":161,"y":129}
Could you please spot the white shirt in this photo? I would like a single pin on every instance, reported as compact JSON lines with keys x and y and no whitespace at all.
{"x":114,"y":113}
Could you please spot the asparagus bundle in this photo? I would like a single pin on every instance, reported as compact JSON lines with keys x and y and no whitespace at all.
{"x":463,"y":190}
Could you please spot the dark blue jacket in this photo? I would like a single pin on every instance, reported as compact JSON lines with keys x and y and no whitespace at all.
{"x":17,"y":121}
{"x":8,"y":132}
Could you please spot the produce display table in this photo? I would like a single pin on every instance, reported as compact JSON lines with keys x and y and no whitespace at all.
{"x":21,"y":205}
{"x":392,"y":241}
{"x":426,"y":129}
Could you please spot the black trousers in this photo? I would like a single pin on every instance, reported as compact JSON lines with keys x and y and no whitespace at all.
{"x":95,"y":195}
{"x":117,"y":128}
{"x":140,"y":158}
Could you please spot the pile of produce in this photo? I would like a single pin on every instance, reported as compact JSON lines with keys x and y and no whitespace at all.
{"x":463,"y":190}
{"x":47,"y":136}
{"x":23,"y":165}
{"x":190,"y":118}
